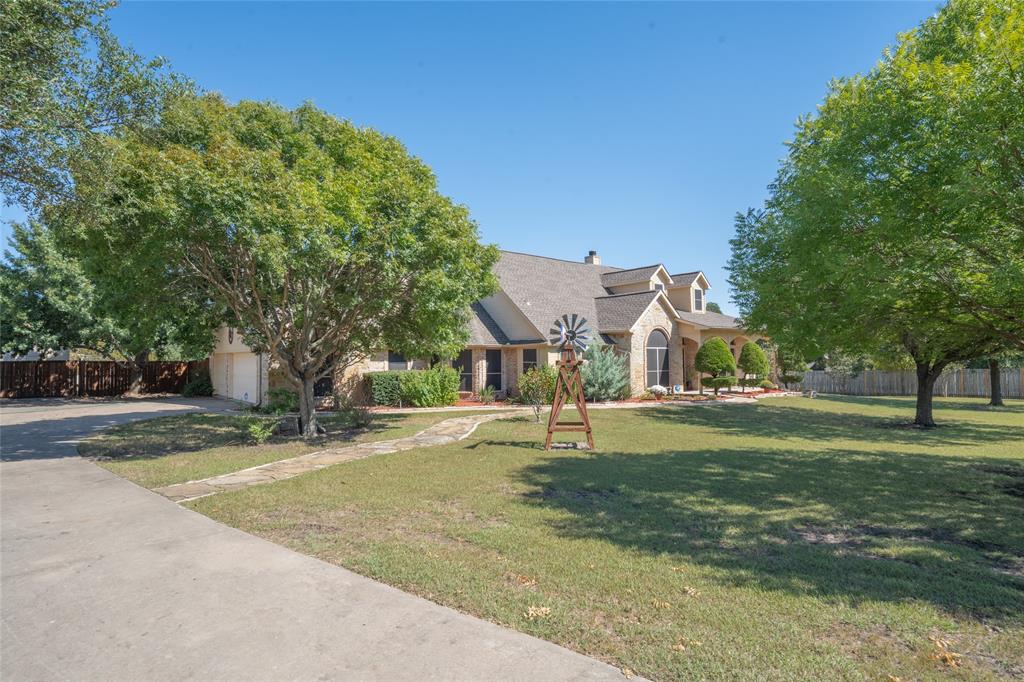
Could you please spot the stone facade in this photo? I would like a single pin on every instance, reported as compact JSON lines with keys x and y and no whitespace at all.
{"x":656,"y":317}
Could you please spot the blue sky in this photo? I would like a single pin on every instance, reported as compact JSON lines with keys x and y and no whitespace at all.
{"x":635,"y":129}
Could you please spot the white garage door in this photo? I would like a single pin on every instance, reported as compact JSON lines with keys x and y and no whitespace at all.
{"x":245,"y":377}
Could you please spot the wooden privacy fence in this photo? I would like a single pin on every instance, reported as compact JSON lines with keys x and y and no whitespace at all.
{"x":69,"y":379}
{"x":960,"y":382}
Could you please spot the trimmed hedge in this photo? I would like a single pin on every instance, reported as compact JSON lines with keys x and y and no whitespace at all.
{"x":435,"y":387}
{"x":385,"y":388}
{"x":718,"y":382}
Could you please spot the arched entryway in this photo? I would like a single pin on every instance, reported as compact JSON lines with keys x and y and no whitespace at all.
{"x":657,"y":359}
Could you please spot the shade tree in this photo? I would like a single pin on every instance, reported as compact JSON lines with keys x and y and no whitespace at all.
{"x":897,"y":218}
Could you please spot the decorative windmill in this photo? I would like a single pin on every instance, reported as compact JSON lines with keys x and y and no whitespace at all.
{"x":570,"y":335}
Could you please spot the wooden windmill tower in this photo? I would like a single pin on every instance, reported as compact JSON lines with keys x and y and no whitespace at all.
{"x":570,"y":335}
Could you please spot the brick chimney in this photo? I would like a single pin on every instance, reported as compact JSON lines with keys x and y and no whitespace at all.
{"x":592,"y":258}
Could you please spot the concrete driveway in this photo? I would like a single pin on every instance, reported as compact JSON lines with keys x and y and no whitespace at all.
{"x":104,"y":580}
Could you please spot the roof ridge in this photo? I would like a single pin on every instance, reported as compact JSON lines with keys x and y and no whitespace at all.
{"x":631,"y":293}
{"x":560,"y":260}
{"x":642,"y":267}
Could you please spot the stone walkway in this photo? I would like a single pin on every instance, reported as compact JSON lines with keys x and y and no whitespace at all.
{"x":442,"y":433}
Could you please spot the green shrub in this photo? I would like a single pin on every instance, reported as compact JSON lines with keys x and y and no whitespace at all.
{"x":791,"y":366}
{"x":537,"y":387}
{"x":718,"y":382}
{"x":385,"y":388}
{"x":198,"y":385}
{"x":767,"y":385}
{"x":753,"y":361}
{"x":282,"y":400}
{"x":487,"y":394}
{"x":605,"y":374}
{"x":793,"y":378}
{"x":260,"y":430}
{"x":714,"y":358}
{"x":434,"y":387}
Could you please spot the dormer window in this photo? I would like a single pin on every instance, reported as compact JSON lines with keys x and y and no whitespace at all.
{"x":659,"y":286}
{"x":698,"y":299}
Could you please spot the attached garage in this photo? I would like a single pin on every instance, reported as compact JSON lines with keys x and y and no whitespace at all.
{"x":236,"y":371}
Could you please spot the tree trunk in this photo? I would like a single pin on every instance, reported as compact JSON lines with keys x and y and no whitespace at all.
{"x":138,"y":367}
{"x":997,"y":386}
{"x":308,"y":427}
{"x":927,"y":374}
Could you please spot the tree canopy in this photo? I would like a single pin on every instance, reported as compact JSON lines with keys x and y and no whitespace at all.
{"x":64,"y":78}
{"x":897,"y":219}
{"x":324,"y":241}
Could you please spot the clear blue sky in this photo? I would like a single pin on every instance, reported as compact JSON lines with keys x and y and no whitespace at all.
{"x":635,"y":129}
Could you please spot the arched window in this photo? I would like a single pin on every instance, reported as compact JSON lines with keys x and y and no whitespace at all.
{"x":657,"y":359}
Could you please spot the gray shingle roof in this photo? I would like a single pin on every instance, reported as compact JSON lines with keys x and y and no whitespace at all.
{"x":610,"y":279}
{"x":710,"y":319}
{"x":619,"y":312}
{"x":483,"y":330}
{"x":685,"y":278}
{"x":544,"y":289}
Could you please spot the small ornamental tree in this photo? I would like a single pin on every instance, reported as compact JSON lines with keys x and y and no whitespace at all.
{"x":605,"y":374}
{"x":537,"y":387}
{"x":715,"y":358}
{"x":791,"y":366}
{"x":753,"y":361}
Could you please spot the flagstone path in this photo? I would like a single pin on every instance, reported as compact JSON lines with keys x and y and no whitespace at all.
{"x":442,"y":433}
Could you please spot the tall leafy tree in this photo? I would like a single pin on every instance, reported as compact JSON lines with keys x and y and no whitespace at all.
{"x":50,"y":298}
{"x":324,"y":241}
{"x":64,"y":78}
{"x":898,"y":217}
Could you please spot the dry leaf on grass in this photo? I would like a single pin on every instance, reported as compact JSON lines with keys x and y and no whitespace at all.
{"x":685,"y":642}
{"x":628,"y":673}
{"x":691,"y":592}
{"x":537,"y":612}
{"x":658,"y":604}
{"x":943,"y":655}
{"x":524,"y":580}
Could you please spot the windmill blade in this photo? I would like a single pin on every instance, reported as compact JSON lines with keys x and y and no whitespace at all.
{"x":582,"y":324}
{"x":573,"y":325}
{"x":565,"y":320}
{"x":554,"y":332}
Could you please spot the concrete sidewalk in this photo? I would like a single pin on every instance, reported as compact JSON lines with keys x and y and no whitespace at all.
{"x":104,"y":580}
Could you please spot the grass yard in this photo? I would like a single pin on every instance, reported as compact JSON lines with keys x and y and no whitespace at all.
{"x":193,"y":446}
{"x":793,"y":539}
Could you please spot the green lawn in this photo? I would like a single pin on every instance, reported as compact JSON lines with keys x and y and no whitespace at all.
{"x":792,"y":539}
{"x":188,"y":447}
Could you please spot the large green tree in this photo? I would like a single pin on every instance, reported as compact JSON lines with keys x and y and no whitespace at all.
{"x":898,"y":217}
{"x":325,"y":241}
{"x":64,"y":79}
{"x":123,"y":304}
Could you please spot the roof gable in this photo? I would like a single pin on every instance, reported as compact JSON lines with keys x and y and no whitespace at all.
{"x":632,"y":275}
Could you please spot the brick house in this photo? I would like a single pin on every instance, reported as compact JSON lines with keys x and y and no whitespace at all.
{"x":657,"y":319}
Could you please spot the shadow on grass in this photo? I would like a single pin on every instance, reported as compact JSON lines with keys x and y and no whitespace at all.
{"x":836,"y":523}
{"x":980,"y":405}
{"x":779,"y":421}
{"x":179,"y":434}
